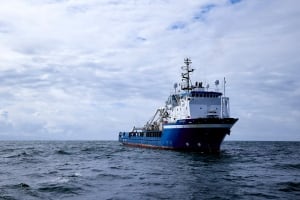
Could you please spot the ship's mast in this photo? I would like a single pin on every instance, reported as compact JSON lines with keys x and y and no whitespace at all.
{"x":186,"y":75}
{"x":224,"y":86}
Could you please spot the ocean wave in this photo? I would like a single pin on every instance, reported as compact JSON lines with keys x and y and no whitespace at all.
{"x":60,"y":189}
{"x":62,"y":152}
{"x":289,"y":186}
{"x":107,"y":170}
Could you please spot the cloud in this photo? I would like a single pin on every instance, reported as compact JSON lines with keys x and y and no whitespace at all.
{"x":89,"y":69}
{"x":204,"y":11}
{"x":234,"y":1}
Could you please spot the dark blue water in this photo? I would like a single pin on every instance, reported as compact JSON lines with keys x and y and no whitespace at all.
{"x":108,"y":170}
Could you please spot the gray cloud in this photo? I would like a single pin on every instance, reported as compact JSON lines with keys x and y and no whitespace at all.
{"x":88,"y":69}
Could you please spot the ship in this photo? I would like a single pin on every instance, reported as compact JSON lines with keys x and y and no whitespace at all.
{"x":194,"y":118}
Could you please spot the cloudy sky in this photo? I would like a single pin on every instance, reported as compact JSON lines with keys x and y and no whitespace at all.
{"x":87,"y":69}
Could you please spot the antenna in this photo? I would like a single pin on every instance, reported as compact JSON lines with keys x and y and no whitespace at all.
{"x":207,"y":86}
{"x":224,"y":86}
{"x":175,"y":86}
{"x":217,"y":82}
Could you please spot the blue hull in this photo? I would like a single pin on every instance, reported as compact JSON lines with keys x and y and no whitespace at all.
{"x":188,"y":135}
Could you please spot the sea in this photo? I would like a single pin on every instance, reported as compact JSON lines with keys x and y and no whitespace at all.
{"x":109,"y":170}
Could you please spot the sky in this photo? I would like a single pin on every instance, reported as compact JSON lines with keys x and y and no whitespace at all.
{"x":88,"y":69}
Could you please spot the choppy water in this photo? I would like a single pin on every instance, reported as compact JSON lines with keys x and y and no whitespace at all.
{"x":108,"y":170}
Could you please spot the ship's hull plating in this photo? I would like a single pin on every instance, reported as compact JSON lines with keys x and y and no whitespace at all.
{"x":204,"y":135}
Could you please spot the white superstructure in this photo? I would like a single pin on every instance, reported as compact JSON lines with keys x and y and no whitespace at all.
{"x":189,"y":101}
{"x":193,"y":101}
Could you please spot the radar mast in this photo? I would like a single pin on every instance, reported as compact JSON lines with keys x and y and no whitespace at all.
{"x":187,"y":85}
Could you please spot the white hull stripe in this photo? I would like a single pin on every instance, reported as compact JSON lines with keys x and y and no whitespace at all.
{"x":198,"y":126}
